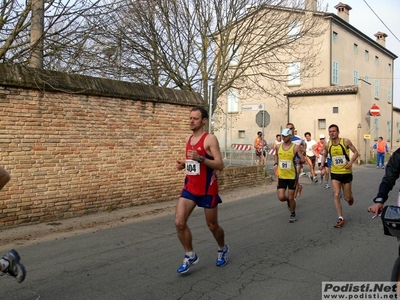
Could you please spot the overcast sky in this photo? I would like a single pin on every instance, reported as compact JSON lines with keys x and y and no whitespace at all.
{"x":364,"y":19}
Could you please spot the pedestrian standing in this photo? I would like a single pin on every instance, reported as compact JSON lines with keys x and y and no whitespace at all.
{"x":259,"y":145}
{"x":381,"y":147}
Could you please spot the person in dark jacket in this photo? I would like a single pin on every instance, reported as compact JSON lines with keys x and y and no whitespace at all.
{"x":392,"y":173}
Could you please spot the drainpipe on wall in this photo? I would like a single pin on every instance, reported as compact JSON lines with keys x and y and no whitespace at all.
{"x":209,"y":109}
{"x":288,"y":107}
{"x":359,"y":143}
{"x":226,"y":131}
{"x":330,"y":53}
{"x":391,"y":111}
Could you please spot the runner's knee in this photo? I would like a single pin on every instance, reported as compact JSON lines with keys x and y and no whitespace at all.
{"x":213,"y":226}
{"x":180,"y":225}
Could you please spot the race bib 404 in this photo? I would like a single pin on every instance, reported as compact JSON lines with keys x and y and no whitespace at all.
{"x":192,"y":167}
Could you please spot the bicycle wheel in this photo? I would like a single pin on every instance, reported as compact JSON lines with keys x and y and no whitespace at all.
{"x":396,"y":271}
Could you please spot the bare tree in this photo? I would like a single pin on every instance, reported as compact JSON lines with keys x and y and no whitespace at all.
{"x":185,"y":44}
{"x":242,"y":44}
{"x":49,"y":33}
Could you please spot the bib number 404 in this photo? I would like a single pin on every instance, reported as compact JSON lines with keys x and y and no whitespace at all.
{"x":192,"y":167}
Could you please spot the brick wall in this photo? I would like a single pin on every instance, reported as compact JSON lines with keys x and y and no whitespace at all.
{"x":76,"y":145}
{"x":241,"y":176}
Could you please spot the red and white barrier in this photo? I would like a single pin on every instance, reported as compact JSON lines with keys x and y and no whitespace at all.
{"x":242,"y":147}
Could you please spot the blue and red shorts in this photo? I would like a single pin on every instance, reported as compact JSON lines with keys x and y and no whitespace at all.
{"x":205,"y":201}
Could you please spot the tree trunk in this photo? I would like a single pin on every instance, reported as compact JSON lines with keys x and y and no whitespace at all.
{"x":36,"y":60}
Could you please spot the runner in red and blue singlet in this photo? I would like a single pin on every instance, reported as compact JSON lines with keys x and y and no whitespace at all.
{"x":201,"y":183}
{"x":202,"y":159}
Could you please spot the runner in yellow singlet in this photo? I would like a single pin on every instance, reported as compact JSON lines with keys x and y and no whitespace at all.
{"x":341,"y":169}
{"x":285,"y":160}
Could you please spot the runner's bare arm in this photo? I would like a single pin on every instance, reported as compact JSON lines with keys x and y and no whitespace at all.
{"x":211,"y":146}
{"x":299,"y":152}
{"x":276,"y":158}
{"x":353,"y":149}
{"x":324,"y":156}
{"x":314,"y":149}
{"x":180,"y":164}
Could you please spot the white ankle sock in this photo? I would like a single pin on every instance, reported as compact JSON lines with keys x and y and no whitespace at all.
{"x":190,"y":254}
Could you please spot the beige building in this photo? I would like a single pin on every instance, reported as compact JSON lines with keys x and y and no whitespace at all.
{"x":355,"y":72}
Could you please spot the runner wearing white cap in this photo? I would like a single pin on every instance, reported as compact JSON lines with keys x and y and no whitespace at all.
{"x":287,"y":156}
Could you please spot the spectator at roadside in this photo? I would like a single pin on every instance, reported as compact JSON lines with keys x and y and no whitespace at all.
{"x":259,"y":144}
{"x":381,"y":147}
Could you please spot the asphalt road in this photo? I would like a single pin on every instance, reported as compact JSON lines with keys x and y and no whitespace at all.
{"x":269,"y":257}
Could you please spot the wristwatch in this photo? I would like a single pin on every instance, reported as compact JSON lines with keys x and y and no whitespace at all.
{"x":379,"y":200}
{"x":201,"y":159}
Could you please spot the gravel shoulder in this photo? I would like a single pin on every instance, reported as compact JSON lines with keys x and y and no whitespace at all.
{"x":61,"y":229}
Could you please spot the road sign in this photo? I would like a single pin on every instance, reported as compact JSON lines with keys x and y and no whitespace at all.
{"x":263,"y":118}
{"x":251,"y":107}
{"x":375,"y":110}
{"x":367,"y":136}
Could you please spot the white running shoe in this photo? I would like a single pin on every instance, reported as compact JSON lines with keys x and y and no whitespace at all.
{"x":15,"y":268}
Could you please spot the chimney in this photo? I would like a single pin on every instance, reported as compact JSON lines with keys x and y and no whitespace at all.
{"x":311,"y":5}
{"x":381,"y":38}
{"x":343,"y":11}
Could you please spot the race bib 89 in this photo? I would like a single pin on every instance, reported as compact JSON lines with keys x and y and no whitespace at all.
{"x":285,"y":164}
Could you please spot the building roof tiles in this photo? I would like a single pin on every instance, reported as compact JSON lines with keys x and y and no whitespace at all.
{"x":345,"y":89}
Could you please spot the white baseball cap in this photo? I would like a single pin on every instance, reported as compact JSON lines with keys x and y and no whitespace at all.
{"x":321,"y":136}
{"x":286,"y":132}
